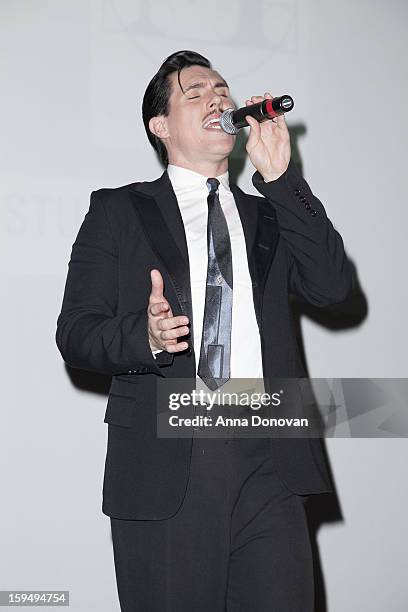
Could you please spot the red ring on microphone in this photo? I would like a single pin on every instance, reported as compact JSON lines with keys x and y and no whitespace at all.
{"x":269,"y":109}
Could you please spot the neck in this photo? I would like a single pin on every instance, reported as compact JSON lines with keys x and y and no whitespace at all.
{"x":204,"y":167}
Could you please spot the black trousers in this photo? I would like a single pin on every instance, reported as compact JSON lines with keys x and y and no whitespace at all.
{"x":239,"y":542}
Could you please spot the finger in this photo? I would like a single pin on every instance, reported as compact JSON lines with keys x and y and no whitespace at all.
{"x":281,"y":121}
{"x":172,"y":322}
{"x":268,"y":95}
{"x":176,"y":348}
{"x":255,"y":130}
{"x":159,"y":308}
{"x":157,"y":286}
{"x":256,"y":98}
{"x":171,"y":334}
{"x":253,"y":100}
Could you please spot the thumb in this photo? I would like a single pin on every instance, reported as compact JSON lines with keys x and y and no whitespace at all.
{"x":156,"y":294}
{"x":255,"y":132}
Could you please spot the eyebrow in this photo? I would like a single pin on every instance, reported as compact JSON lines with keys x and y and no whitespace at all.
{"x":201,"y":85}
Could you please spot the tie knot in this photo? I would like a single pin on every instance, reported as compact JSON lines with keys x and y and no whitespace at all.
{"x":213,"y":184}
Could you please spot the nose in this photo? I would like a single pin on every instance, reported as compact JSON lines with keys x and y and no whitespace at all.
{"x":215,"y":100}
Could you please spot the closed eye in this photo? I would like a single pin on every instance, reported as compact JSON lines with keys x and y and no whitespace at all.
{"x":194,"y":97}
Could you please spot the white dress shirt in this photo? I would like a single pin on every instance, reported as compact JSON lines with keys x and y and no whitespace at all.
{"x":191,"y":193}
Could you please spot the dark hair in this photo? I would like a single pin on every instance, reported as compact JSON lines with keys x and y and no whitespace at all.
{"x":157,"y":94}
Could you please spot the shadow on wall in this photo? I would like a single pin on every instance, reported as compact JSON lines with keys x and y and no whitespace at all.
{"x":345,"y":315}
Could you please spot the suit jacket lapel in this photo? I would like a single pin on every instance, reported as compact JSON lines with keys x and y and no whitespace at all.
{"x":248,"y":212}
{"x":156,"y":205}
{"x":261,"y":232}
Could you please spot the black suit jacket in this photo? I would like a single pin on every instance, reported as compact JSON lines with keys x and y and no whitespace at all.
{"x":292,"y":247}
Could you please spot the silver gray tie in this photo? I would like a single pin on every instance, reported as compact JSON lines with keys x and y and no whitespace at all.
{"x":215,"y":353}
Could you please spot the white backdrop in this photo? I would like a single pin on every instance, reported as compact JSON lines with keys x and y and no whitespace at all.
{"x":73,"y":76}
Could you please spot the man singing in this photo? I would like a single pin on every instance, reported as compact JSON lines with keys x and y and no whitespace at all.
{"x":187,"y":276}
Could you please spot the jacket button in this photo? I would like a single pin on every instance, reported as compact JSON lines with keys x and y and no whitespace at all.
{"x":297,"y":192}
{"x":303,"y":199}
{"x":313,"y":213}
{"x":307,"y":206}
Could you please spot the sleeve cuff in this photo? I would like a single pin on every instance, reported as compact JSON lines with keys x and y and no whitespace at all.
{"x":291,"y":177}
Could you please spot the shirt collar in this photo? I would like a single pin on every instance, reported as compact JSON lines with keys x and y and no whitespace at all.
{"x":186,"y":180}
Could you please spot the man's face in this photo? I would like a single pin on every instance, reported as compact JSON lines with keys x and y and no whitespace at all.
{"x":189,"y":137}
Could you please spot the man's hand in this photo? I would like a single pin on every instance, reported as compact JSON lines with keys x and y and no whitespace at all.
{"x":164,"y":329}
{"x":268,"y":144}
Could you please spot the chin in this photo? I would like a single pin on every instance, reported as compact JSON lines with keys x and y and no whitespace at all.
{"x":225,"y":151}
{"x":223,"y":144}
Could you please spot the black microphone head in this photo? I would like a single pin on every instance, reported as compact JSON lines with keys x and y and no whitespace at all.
{"x":286,"y":103}
{"x":226,"y":122}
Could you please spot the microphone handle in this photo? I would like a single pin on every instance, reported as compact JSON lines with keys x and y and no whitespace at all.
{"x":262,"y":111}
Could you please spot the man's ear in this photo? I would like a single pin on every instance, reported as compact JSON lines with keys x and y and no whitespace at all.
{"x":158,"y":126}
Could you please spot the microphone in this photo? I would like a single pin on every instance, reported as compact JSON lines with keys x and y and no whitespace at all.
{"x":233,"y":120}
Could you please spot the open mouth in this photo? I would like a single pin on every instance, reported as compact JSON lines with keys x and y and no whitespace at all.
{"x":212,"y":124}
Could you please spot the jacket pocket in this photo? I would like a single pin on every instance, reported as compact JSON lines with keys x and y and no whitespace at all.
{"x":120,"y":410}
